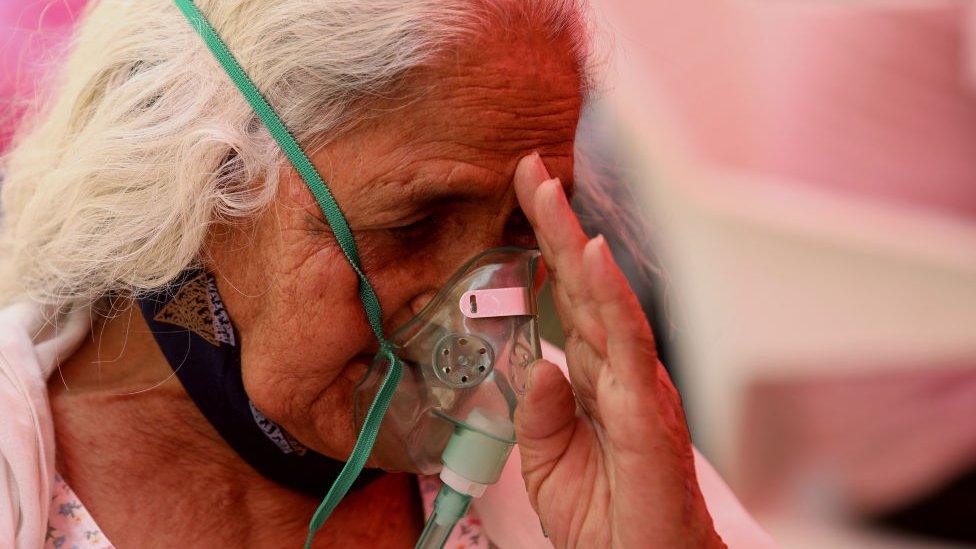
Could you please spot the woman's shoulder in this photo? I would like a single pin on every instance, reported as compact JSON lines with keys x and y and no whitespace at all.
{"x":32,"y":339}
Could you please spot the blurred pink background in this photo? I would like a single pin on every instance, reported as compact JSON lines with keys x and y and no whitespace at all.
{"x":861,"y":97}
{"x":826,"y":159}
{"x":31,"y":33}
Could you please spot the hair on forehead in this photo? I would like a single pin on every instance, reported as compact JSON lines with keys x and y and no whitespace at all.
{"x":143,"y":144}
{"x":563,"y":20}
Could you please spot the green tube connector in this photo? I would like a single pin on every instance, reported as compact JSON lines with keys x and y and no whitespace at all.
{"x":473,"y":458}
{"x":449,"y":507}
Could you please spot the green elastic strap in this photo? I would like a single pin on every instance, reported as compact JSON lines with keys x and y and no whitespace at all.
{"x":340,"y":227}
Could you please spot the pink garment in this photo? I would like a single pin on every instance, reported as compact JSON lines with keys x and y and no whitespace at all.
{"x":30,"y":349}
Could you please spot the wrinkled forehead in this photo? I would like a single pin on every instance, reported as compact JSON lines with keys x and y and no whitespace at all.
{"x":507,"y":97}
{"x":464,"y":121}
{"x":491,"y":100}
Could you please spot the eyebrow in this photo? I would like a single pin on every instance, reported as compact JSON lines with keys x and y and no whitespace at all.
{"x":382,"y":206}
{"x":437,"y":196}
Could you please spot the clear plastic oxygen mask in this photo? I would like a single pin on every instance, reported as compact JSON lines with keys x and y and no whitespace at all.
{"x":465,"y":358}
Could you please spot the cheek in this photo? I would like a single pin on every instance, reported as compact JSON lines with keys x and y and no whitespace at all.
{"x":306,"y":342}
{"x":296,"y":352}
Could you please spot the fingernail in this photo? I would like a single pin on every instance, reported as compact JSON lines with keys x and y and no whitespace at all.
{"x":539,"y":167}
{"x":596,"y":244}
{"x":597,"y":253}
{"x":550,"y":189}
{"x":601,"y":244}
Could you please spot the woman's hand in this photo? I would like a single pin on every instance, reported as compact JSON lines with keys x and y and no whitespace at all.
{"x":607,"y":459}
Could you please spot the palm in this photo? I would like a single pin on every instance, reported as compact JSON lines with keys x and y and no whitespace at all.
{"x":607,"y":460}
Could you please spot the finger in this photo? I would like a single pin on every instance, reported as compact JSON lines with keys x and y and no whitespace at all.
{"x":629,"y":342}
{"x":529,"y":174}
{"x":544,"y":419}
{"x":560,"y":235}
{"x":544,"y":202}
{"x":548,"y":404}
{"x":561,"y":240}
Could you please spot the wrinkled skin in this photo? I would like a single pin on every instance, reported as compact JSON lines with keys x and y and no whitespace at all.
{"x":606,"y":458}
{"x":424,"y":190}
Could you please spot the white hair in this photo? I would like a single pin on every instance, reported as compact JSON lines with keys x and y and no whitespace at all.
{"x":145,"y":143}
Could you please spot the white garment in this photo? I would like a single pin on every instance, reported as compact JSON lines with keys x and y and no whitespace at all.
{"x":31,"y":347}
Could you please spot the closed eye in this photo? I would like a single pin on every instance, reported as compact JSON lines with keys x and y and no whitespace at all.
{"x":414,"y":228}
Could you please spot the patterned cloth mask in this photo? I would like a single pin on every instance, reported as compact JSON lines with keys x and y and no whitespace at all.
{"x":197,"y":337}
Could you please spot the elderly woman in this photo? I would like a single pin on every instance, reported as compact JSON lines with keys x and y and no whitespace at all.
{"x":148,"y":205}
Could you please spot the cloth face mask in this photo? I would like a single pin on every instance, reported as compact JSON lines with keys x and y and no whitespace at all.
{"x":196,"y":335}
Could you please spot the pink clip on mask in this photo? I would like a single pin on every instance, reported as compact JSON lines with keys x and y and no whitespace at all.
{"x":495,"y":302}
{"x":464,"y":355}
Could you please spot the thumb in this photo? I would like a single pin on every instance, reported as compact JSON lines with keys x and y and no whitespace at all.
{"x":544,"y":422}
